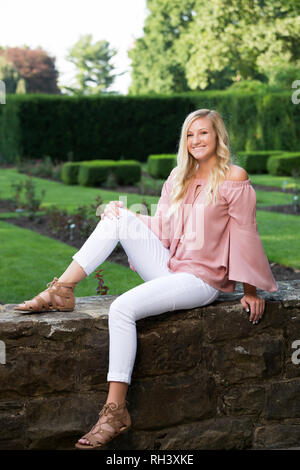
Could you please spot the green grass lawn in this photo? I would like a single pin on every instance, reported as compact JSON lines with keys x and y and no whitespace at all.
{"x":65,"y":196}
{"x":30,"y":260}
{"x":272,"y":198}
{"x":70,"y":197}
{"x":280,"y":237}
{"x":270,"y":180}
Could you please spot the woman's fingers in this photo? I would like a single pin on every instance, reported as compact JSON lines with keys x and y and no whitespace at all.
{"x":112,"y":209}
{"x":131,"y":267}
{"x":257,"y":308}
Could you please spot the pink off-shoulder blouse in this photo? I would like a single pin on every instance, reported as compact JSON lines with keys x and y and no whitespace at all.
{"x":217,"y":243}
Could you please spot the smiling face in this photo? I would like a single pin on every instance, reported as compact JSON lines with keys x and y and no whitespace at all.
{"x":202,"y":140}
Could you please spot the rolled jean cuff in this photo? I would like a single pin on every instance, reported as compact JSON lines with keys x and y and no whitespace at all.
{"x":87,"y":269}
{"x":111,"y":377}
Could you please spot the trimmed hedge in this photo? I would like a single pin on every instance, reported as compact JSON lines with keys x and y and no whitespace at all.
{"x":95,"y":172}
{"x":285,"y":164}
{"x":127,"y":172}
{"x":160,"y":166}
{"x":69,"y":172}
{"x":255,"y":161}
{"x":124,"y":126}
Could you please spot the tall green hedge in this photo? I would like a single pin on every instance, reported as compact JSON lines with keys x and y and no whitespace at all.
{"x":130,"y":127}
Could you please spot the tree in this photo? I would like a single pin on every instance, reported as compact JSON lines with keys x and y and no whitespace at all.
{"x":35,"y":67}
{"x":156,"y":67}
{"x":93,"y":64}
{"x":198,"y":45}
{"x":250,"y":37}
{"x":9,"y":75}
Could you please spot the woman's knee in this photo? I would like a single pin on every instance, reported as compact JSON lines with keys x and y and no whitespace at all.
{"x":121,"y":309}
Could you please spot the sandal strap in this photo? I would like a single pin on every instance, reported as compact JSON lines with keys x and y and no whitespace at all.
{"x":56,"y":282}
{"x":41,"y":303}
{"x":112,"y":421}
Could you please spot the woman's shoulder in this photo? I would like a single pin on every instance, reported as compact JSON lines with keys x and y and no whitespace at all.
{"x":236,"y":173}
{"x":236,"y":178}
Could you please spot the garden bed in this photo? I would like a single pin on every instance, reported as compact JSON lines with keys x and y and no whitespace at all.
{"x":283,"y":208}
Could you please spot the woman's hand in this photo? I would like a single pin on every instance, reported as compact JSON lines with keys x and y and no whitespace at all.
{"x":255,"y":304}
{"x":111,"y":209}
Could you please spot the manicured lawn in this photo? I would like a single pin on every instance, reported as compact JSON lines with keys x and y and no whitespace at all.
{"x":280,"y":237}
{"x":272,"y":198}
{"x":65,"y":196}
{"x":270,"y":180}
{"x":30,"y":260}
{"x":70,"y":197}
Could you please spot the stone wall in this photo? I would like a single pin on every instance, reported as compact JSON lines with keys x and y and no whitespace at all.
{"x":205,"y":378}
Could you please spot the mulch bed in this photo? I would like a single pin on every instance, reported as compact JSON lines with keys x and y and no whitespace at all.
{"x":273,"y":188}
{"x":41,"y":225}
{"x":284,"y":209}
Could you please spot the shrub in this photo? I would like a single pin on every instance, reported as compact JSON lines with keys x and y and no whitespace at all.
{"x":41,"y":168}
{"x":28,"y":201}
{"x":151,"y":186}
{"x":69,"y":172}
{"x":95,"y":172}
{"x":128,"y":172}
{"x":160,"y":166}
{"x":286,"y":164}
{"x":255,"y":161}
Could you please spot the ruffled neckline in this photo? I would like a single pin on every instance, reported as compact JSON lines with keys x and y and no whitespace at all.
{"x":229,"y":182}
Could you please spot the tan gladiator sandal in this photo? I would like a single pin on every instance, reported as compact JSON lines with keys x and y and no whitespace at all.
{"x":114,"y":420}
{"x":54,"y":288}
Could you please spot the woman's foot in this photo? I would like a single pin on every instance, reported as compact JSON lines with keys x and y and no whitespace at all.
{"x":114,"y":419}
{"x":46,"y":296}
{"x":58,"y":296}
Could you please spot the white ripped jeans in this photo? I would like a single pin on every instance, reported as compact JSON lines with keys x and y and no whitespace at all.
{"x":162,"y":291}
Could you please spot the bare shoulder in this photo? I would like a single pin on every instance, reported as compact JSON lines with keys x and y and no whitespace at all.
{"x":237,"y":173}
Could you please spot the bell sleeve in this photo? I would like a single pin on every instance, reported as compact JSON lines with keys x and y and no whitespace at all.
{"x":159,"y":224}
{"x":248,"y":262}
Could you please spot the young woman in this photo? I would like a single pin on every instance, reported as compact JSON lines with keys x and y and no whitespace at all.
{"x":202,"y":239}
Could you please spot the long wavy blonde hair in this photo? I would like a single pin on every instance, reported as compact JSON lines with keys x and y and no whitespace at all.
{"x":187,"y":165}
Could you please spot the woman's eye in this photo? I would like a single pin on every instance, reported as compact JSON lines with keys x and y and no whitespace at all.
{"x":191,"y":135}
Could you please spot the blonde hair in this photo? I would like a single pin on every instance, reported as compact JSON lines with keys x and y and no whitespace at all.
{"x":187,"y":165}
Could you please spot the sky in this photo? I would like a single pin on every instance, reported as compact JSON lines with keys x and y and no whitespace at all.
{"x":56,"y":25}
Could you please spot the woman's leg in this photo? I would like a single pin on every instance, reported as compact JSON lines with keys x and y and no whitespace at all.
{"x":175,"y":291}
{"x":137,"y":240}
{"x":144,"y":249}
{"x":146,"y":253}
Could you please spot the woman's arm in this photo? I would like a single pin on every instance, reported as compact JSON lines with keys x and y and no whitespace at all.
{"x":248,"y":289}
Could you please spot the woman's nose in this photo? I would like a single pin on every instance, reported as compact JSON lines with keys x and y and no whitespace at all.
{"x":196,"y":140}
